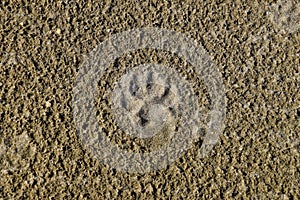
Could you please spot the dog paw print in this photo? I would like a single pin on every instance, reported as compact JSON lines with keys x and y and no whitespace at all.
{"x":145,"y":101}
{"x":285,"y":14}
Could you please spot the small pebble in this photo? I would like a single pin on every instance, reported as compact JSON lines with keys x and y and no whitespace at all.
{"x":48,"y":104}
{"x":58,"y":31}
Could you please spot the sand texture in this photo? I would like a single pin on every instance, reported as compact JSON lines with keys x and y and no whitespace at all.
{"x":254,"y":45}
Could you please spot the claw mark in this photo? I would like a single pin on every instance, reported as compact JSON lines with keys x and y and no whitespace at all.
{"x":149,"y":81}
{"x":133,"y":85}
{"x":123,"y":102}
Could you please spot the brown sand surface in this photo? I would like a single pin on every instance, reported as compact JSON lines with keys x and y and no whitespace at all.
{"x":44,"y":43}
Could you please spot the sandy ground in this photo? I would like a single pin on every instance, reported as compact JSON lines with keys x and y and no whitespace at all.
{"x":42,"y":46}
